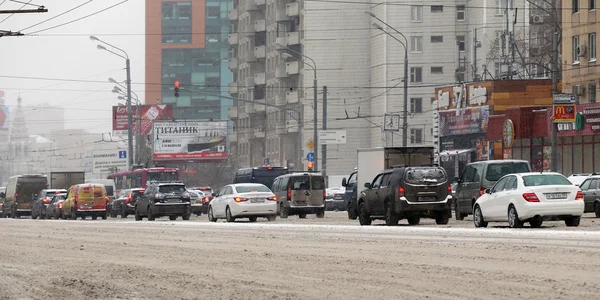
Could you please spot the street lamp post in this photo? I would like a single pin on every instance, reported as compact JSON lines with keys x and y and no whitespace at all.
{"x":315,"y":88}
{"x":129,"y":112}
{"x":138,"y":135}
{"x":405,"y":44}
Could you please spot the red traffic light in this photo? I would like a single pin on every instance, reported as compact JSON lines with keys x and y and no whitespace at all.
{"x":176,"y":84}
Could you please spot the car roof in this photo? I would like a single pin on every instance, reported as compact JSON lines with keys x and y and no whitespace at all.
{"x":499,"y":161}
{"x":170,"y":183}
{"x":246,"y":184}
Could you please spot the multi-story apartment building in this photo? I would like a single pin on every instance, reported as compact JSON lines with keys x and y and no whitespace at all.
{"x":580,"y":71}
{"x":186,"y":41}
{"x":275,"y":46}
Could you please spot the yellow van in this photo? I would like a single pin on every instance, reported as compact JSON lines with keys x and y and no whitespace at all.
{"x":87,"y":199}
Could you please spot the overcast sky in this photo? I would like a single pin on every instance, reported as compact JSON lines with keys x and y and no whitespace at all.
{"x":67,"y":52}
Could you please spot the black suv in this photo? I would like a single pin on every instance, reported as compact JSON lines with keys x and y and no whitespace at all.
{"x":164,"y":199}
{"x":406,"y":193}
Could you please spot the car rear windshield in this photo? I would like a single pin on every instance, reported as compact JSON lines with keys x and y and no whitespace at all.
{"x":109,"y":190}
{"x":175,"y":188}
{"x":496,"y":171}
{"x":302,"y":182}
{"x":538,"y":180}
{"x":252,"y":189}
{"x":425,"y":175}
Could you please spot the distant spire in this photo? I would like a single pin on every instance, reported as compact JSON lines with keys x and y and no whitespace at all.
{"x":18,"y":132}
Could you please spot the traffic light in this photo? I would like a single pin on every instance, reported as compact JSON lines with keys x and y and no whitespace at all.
{"x":310,"y":165}
{"x":176,"y":85}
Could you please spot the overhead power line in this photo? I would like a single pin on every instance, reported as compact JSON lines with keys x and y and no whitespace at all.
{"x":61,"y":14}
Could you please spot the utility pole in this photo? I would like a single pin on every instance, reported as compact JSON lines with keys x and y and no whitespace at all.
{"x":475,"y":55}
{"x":324,"y":146}
{"x":129,"y":114}
{"x":315,"y":120}
{"x":554,"y":162}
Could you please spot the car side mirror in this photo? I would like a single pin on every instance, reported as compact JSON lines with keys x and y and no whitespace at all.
{"x":488,"y":191}
{"x":214,"y":194}
{"x":367,"y":185}
{"x":344,"y":182}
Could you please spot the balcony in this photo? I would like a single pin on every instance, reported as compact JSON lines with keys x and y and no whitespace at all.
{"x":232,"y":88}
{"x":259,"y":132}
{"x":233,"y":14}
{"x":292,"y":67}
{"x":280,"y":15}
{"x":233,"y":63}
{"x":292,"y":125}
{"x":260,"y":2}
{"x":260,"y":25}
{"x":292,"y":97}
{"x":292,"y":9}
{"x":279,"y":99}
{"x":281,"y":40}
{"x":232,"y":39}
{"x":250,"y":57}
{"x":233,"y":112}
{"x":249,"y":5}
{"x":260,"y":79}
{"x":281,"y":73}
{"x":260,"y":51}
{"x":259,"y":107}
{"x":249,"y":82}
{"x":293,"y":38}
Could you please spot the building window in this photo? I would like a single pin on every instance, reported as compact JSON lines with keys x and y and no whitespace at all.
{"x":416,"y":74}
{"x":460,"y":41}
{"x":416,"y":44}
{"x":416,"y":13}
{"x":575,"y":5}
{"x":213,"y":12}
{"x":575,"y":41}
{"x":437,"y":38}
{"x":592,"y":43}
{"x":416,"y":105}
{"x":416,"y":136}
{"x":437,"y":70}
{"x":460,"y":12}
{"x":437,"y":8}
{"x":592,"y":91}
{"x":500,"y":7}
{"x":177,"y":22}
{"x":592,"y":4}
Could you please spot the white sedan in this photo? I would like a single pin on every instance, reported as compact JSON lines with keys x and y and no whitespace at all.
{"x":530,"y":197}
{"x":243,"y":200}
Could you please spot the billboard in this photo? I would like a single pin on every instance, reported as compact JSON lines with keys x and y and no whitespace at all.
{"x":148,"y":114}
{"x":564,"y":113}
{"x":109,"y":161}
{"x":467,"y":121}
{"x":189,"y":140}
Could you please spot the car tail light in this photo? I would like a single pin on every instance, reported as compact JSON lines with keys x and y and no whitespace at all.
{"x":60,"y":205}
{"x":46,"y":200}
{"x":206,"y":200}
{"x":450,"y":190}
{"x":274,"y":198}
{"x":240,"y":199}
{"x":289,"y":193}
{"x":16,"y":195}
{"x":482,"y":191}
{"x":530,"y":197}
{"x":401,"y":192}
{"x":579,"y":195}
{"x":324,"y":195}
{"x":128,"y":199}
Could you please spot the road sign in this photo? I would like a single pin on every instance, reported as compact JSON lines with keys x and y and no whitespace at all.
{"x":564,"y":99}
{"x":564,"y":113}
{"x":122,"y":154}
{"x":105,"y":161}
{"x":310,"y":144}
{"x":310,"y":156}
{"x":328,"y":137}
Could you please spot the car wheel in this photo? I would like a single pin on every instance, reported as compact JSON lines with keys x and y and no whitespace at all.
{"x":352,"y":215}
{"x":211,"y":217}
{"x":363,"y":217}
{"x":391,"y":218}
{"x":104,"y":216}
{"x":150,"y":214}
{"x":321,"y":214}
{"x":478,"y":218}
{"x":33,"y":215}
{"x":123,"y":212}
{"x":513,"y":218}
{"x":172,"y":218}
{"x":187,"y":216}
{"x":302,"y":216}
{"x":457,"y":214}
{"x":271,"y":218}
{"x":442,"y":218}
{"x":13,"y":212}
{"x":73,"y":214}
{"x":252,"y":219}
{"x":138,"y":217}
{"x":283,"y":212}
{"x":414,"y":220}
{"x":573,"y":221}
{"x":228,"y":217}
{"x":83,"y":217}
{"x":597,"y":209}
{"x":536,"y":223}
{"x":94,"y":217}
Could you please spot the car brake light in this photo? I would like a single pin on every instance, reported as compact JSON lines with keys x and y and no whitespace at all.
{"x":579,"y":195}
{"x":16,"y":195}
{"x":240,"y":199}
{"x":482,"y":191}
{"x":401,"y":191}
{"x":60,"y":205}
{"x":274,"y":198}
{"x":46,"y":200}
{"x":324,"y":195}
{"x":289,"y":193}
{"x":530,"y":197}
{"x":449,"y":190}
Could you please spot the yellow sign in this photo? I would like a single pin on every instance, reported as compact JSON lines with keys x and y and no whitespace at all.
{"x":310,"y":144}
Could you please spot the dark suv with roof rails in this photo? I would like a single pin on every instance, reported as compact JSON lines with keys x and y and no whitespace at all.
{"x":164,"y":199}
{"x":407,"y":193}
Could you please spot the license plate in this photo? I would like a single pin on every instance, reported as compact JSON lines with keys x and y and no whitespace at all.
{"x":557,"y":196}
{"x":258,"y":200}
{"x":427,"y":199}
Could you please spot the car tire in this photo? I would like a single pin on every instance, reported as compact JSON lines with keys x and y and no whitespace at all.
{"x":73,"y":215}
{"x":83,"y":217}
{"x":272,"y":218}
{"x":228,"y":217}
{"x":104,"y":216}
{"x":478,"y":218}
{"x":536,"y":223}
{"x":33,"y":215}
{"x":123,"y":212}
{"x":211,"y":217}
{"x":172,"y":218}
{"x":457,"y":215}
{"x":13,"y":212}
{"x":94,"y":217}
{"x":352,"y":215}
{"x":597,"y":209}
{"x":138,"y":217}
{"x":414,"y":220}
{"x":302,"y":216}
{"x":573,"y":221}
{"x":252,"y":219}
{"x":391,"y":218}
{"x":363,"y":217}
{"x":283,"y":212}
{"x":442,"y":218}
{"x":513,"y":218}
{"x":151,"y":216}
{"x":321,"y":213}
{"x":186,"y":217}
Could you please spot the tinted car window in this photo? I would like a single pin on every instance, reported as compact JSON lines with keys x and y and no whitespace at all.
{"x":317,"y":183}
{"x":352,"y":178}
{"x":586,"y":185}
{"x":171,"y":188}
{"x":468,"y":174}
{"x":511,"y":184}
{"x":425,"y":175}
{"x":594,"y":185}
{"x":299,"y":182}
{"x":496,"y":171}
{"x":252,"y":188}
{"x":500,"y":185}
{"x":538,"y":180}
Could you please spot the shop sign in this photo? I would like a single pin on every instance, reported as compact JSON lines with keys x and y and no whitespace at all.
{"x":465,"y":121}
{"x":477,"y":95}
{"x":443,"y":99}
{"x":591,"y":111}
{"x":596,"y":127}
{"x":578,"y":125}
{"x":508,"y":133}
{"x":564,"y":113}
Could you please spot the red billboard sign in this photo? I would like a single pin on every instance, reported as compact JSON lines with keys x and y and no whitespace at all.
{"x":564,"y":113}
{"x":148,"y":114}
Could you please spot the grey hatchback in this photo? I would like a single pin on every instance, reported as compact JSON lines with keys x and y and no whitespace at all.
{"x":479,"y":176}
